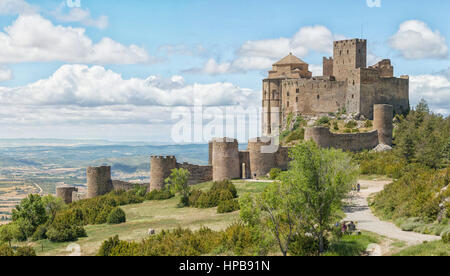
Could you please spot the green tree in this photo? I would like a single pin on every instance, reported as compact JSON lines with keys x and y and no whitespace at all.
{"x":31,"y":213}
{"x":52,"y":206}
{"x":322,"y":179}
{"x":178,"y":182}
{"x":6,"y":234}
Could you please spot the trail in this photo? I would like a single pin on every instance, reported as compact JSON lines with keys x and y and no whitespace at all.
{"x":359,"y":211}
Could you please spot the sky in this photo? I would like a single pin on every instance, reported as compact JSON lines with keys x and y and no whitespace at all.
{"x":132,"y":70}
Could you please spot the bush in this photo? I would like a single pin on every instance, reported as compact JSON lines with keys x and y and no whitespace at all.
{"x":368,"y":123}
{"x":446,"y":237}
{"x":66,"y":226}
{"x":220,"y":191}
{"x":116,"y":216}
{"x":347,"y":130}
{"x":228,"y":206}
{"x":335,"y":126}
{"x":324,"y":121}
{"x":303,"y":245}
{"x":351,"y":124}
{"x":6,"y":250}
{"x":159,"y":195}
{"x":274,"y":173}
{"x":25,"y":251}
{"x":40,"y":234}
{"x":296,"y":135}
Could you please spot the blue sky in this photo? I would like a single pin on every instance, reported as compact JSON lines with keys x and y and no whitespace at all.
{"x":206,"y":43}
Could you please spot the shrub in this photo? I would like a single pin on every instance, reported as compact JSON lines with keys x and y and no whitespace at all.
{"x":324,"y":121}
{"x":303,"y":245}
{"x":274,"y":173}
{"x":347,"y":130}
{"x":159,"y":195}
{"x":25,"y":251}
{"x":296,"y":135}
{"x":335,"y":125}
{"x":228,"y":206}
{"x":116,"y":216}
{"x":40,"y":234}
{"x":368,"y":123}
{"x":220,"y":191}
{"x":351,"y":124}
{"x":6,"y":250}
{"x":446,"y":237}
{"x":66,"y":226}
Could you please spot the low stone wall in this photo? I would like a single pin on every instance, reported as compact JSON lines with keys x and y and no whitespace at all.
{"x":199,"y":174}
{"x":349,"y":142}
{"x":124,"y":186}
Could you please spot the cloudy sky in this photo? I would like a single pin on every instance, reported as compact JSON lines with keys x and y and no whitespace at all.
{"x":126,"y":70}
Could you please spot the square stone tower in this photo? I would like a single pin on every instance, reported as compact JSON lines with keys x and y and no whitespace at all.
{"x":347,"y":56}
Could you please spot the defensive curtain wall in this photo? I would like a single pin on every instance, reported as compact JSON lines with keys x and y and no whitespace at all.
{"x":383,"y":117}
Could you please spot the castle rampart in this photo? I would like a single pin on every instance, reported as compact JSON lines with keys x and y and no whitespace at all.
{"x":65,"y":193}
{"x":351,"y":142}
{"x":382,"y":134}
{"x":98,"y":181}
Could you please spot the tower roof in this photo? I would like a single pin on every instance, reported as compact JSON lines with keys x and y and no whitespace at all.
{"x":290,"y":60}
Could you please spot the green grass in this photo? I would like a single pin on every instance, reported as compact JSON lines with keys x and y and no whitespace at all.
{"x":354,"y":245}
{"x":436,"y":248}
{"x":157,"y":215}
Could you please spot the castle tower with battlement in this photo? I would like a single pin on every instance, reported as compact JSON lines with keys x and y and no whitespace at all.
{"x":160,"y":168}
{"x":98,"y":181}
{"x":347,"y":84}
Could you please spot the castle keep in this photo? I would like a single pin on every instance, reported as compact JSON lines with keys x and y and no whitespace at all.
{"x":347,"y":85}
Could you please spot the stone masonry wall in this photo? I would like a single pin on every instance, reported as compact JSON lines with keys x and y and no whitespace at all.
{"x":349,"y":142}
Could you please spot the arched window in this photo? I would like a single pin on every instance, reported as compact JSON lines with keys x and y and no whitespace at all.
{"x":318,"y":97}
{"x":287,"y":104}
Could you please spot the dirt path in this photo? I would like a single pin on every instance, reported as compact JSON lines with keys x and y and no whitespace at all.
{"x":359,"y":211}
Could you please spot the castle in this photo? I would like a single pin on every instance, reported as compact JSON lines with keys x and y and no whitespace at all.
{"x":347,"y":85}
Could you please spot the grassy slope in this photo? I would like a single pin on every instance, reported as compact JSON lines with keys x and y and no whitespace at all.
{"x":437,"y":248}
{"x":156,"y":215}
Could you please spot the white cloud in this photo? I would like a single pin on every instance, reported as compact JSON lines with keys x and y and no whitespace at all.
{"x":32,"y":38}
{"x":5,"y":74}
{"x":16,"y":7}
{"x":82,"y":16}
{"x":83,"y":86}
{"x":435,"y":89}
{"x":261,"y":54}
{"x":415,"y":40}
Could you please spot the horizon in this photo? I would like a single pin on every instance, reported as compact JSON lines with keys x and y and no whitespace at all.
{"x":129,"y":72}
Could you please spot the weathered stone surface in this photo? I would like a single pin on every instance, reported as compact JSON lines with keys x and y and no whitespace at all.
{"x":347,"y":84}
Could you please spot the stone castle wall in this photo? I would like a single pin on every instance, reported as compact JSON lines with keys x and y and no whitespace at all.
{"x":98,"y":181}
{"x":319,"y":95}
{"x":199,"y":174}
{"x":66,"y":193}
{"x":349,"y":142}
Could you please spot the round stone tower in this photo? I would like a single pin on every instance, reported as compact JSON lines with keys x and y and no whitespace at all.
{"x":160,"y":168}
{"x":98,"y":181}
{"x":383,"y":115}
{"x":262,"y":159}
{"x":225,"y":159}
{"x":65,"y":193}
